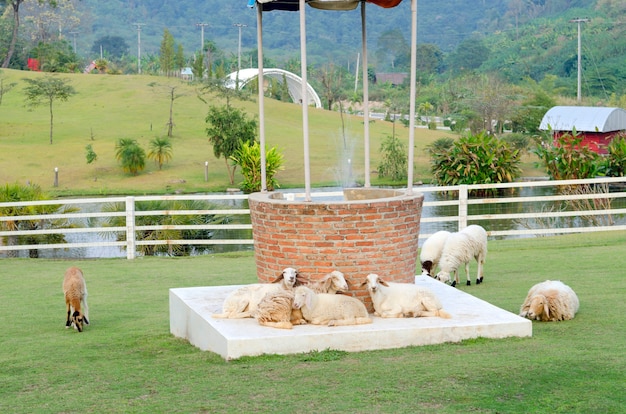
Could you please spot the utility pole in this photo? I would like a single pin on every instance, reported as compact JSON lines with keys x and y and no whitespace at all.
{"x":202,"y":26}
{"x":239,"y":25}
{"x":74,"y":35}
{"x":139,"y":46}
{"x":579,"y":21}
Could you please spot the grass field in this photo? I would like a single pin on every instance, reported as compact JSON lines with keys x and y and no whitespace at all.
{"x":127,"y":362}
{"x":110,"y":107}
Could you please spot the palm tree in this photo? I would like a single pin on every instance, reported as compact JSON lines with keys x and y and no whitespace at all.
{"x":160,"y":150}
{"x":16,"y":193}
{"x":130,"y":155}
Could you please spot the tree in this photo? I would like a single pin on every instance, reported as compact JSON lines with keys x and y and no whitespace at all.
{"x":167,"y":56}
{"x":48,"y":90}
{"x":172,"y":95}
{"x":228,"y":130}
{"x":91,"y":157}
{"x":394,"y":159}
{"x":130,"y":155}
{"x":15,"y":5}
{"x":160,"y":150}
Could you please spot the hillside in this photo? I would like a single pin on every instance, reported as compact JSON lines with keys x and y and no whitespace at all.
{"x":108,"y":108}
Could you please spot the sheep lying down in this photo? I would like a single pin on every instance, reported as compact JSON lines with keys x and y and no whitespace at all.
{"x":243,"y":302}
{"x":551,"y":300}
{"x":329,"y":309}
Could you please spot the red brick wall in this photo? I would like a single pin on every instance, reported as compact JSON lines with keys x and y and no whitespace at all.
{"x":354,"y":237}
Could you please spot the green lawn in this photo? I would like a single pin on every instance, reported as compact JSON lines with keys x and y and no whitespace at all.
{"x":126,"y":361}
{"x":109,"y":107}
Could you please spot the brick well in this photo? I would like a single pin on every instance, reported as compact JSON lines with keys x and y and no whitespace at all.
{"x":371,"y":231}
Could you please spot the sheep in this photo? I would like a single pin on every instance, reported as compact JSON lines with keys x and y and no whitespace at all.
{"x":399,"y":300}
{"x":551,"y":300}
{"x":431,"y":251}
{"x":243,"y":302}
{"x":329,"y":308}
{"x":275,"y":310}
{"x":333,"y":282}
{"x":75,"y":292}
{"x":459,"y":249}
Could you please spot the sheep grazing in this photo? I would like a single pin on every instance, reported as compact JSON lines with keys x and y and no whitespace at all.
{"x":75,"y":292}
{"x":431,"y":252}
{"x":243,"y":302}
{"x":275,"y":310}
{"x":329,"y":308}
{"x":459,"y":249}
{"x":402,"y":300}
{"x":551,"y":300}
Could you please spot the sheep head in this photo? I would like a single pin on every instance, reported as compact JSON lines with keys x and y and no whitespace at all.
{"x":538,"y":307}
{"x":443,"y":276}
{"x":302,"y":297}
{"x":288,"y":276}
{"x":427,"y":267}
{"x":77,"y":320}
{"x":373,"y":282}
{"x":338,"y":282}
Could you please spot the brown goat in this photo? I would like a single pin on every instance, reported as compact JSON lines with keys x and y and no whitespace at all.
{"x":75,"y":291}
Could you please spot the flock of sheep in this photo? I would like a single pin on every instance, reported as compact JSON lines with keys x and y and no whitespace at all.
{"x":546,"y":301}
{"x":290,"y":301}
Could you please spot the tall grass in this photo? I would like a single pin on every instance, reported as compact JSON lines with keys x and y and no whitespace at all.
{"x":127,"y":361}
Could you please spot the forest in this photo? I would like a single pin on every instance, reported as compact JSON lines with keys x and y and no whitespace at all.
{"x":518,"y":47}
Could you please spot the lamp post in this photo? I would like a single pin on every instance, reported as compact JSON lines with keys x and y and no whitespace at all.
{"x":206,"y":171}
{"x":56,"y":176}
{"x":139,"y":46}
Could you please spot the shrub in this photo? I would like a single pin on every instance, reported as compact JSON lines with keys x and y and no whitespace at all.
{"x":248,"y":157}
{"x":567,"y":158}
{"x":474,"y":159}
{"x":614,"y":164}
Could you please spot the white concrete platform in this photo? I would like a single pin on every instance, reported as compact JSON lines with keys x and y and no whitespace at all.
{"x":191,"y":310}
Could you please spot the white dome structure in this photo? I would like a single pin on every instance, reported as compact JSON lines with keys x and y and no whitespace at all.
{"x":294,"y":83}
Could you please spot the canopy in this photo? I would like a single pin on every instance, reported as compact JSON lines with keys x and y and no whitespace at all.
{"x":293,"y":5}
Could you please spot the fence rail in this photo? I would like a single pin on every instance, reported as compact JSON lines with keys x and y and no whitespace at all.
{"x":592,"y":205}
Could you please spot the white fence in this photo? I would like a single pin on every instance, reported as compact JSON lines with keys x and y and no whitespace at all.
{"x":517,"y":211}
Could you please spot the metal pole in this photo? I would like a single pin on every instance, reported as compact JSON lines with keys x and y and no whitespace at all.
{"x":412,"y":94}
{"x":206,"y":171}
{"x":56,"y":177}
{"x":366,"y":100}
{"x":305,"y":100}
{"x":261,"y":81}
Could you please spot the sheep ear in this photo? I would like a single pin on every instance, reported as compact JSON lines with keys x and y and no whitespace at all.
{"x":363,"y":283}
{"x":546,"y":309}
{"x":277,"y":280}
{"x":382,"y":282}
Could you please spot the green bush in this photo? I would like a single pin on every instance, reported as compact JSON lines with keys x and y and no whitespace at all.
{"x":614,"y":164}
{"x":248,"y":157}
{"x":518,"y":141}
{"x":432,"y":125}
{"x":474,"y":159}
{"x":568,"y":158}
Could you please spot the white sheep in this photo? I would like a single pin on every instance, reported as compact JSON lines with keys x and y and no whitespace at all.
{"x":402,"y":300}
{"x":333,"y":282}
{"x":551,"y":300}
{"x":459,"y":249}
{"x":431,"y":252}
{"x":75,"y":292}
{"x":329,"y":308}
{"x":243,"y":302}
{"x":275,"y":310}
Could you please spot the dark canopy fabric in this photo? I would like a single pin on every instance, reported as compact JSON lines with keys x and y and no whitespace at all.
{"x":294,"y":5}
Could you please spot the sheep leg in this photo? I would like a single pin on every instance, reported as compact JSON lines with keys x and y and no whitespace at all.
{"x":68,"y":323}
{"x":481,"y":261}
{"x":85,"y":311}
{"x":349,"y":321}
{"x":467,"y":274}
{"x":279,"y":324}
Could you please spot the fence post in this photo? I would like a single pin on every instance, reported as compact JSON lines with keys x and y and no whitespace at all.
{"x":462,"y":206}
{"x":130,"y":228}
